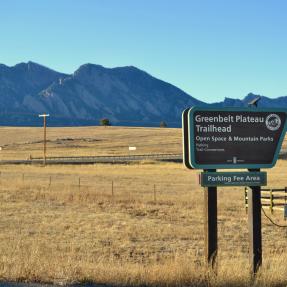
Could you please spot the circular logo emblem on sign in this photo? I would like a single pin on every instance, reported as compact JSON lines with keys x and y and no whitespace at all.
{"x":273,"y":122}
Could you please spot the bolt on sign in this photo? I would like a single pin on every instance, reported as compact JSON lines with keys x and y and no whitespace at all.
{"x":216,"y":138}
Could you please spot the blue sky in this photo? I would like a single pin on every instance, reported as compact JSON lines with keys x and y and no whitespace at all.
{"x":210,"y":49}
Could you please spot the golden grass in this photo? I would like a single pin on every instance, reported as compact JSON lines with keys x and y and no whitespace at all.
{"x":21,"y":143}
{"x":121,"y":235}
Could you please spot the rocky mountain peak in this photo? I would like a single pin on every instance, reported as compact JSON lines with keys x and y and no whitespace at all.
{"x":125,"y":95}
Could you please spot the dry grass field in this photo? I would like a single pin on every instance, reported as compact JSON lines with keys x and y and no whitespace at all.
{"x":21,"y":143}
{"x":138,"y":224}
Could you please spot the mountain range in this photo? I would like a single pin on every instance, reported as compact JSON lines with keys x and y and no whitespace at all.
{"x":124,"y":95}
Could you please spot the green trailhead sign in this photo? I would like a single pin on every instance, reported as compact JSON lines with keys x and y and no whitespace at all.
{"x":232,"y":137}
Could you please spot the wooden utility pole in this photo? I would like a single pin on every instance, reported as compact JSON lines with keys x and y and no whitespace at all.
{"x":44,"y":116}
{"x":210,"y":225}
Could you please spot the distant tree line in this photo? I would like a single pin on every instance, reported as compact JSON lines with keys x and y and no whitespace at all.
{"x":106,"y":122}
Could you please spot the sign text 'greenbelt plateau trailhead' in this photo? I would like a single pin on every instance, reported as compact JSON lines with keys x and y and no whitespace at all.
{"x":232,"y":137}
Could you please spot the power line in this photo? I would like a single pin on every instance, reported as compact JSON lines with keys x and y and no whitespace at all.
{"x":270,"y":219}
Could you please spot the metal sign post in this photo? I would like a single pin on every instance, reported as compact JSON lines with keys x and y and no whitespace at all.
{"x":210,"y":224}
{"x":254,"y":226}
{"x":285,"y":211}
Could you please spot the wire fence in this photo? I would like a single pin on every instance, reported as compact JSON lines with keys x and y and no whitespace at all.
{"x":127,"y":188}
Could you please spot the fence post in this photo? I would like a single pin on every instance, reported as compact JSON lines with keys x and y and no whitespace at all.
{"x":23,"y":177}
{"x":271,"y":200}
{"x":79,"y":184}
{"x":285,"y":206}
{"x":246,"y":198}
{"x":50,"y":182}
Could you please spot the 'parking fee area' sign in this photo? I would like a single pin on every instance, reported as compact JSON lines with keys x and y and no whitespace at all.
{"x":234,"y":137}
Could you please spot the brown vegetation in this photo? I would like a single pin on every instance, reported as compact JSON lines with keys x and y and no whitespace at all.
{"x":21,"y":143}
{"x":137,"y":224}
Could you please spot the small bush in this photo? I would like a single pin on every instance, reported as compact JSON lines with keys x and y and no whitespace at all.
{"x":105,"y":122}
{"x":163,"y":124}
